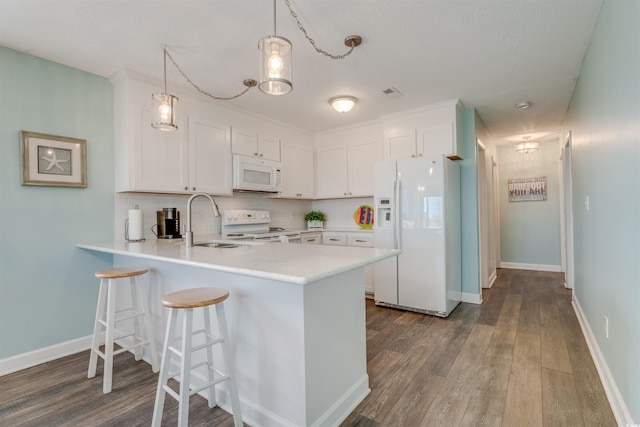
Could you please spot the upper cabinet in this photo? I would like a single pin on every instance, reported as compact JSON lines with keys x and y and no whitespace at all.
{"x":249,"y":143}
{"x":430,"y":131}
{"x":198,"y":156}
{"x":344,"y":162}
{"x":297,"y":171}
{"x":209,"y":157}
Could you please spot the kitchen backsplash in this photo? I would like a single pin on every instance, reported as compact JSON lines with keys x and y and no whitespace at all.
{"x":285,"y":213}
{"x":340,"y":212}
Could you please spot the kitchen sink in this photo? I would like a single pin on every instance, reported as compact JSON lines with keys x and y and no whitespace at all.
{"x":226,"y":244}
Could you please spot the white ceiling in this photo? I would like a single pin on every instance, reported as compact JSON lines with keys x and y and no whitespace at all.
{"x":490,"y":54}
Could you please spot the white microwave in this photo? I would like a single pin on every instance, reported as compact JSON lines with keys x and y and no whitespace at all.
{"x":254,"y":174}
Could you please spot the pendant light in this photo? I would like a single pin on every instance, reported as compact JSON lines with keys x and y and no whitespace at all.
{"x":164,"y":106}
{"x":275,"y":63}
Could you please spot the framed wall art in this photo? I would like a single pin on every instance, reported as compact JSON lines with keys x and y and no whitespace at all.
{"x":53,"y":160}
{"x":527,"y":189}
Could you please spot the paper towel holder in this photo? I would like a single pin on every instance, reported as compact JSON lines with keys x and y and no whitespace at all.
{"x":126,"y":230}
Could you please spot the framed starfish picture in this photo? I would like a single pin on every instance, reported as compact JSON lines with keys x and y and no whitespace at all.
{"x":53,"y":160}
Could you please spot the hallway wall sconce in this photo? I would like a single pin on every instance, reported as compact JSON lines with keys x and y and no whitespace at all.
{"x":527,"y":146}
{"x":343,"y":104}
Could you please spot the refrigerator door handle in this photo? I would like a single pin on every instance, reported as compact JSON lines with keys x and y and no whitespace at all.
{"x":396,"y":212}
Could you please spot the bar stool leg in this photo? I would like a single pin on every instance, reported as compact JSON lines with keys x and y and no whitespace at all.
{"x":133,"y":287}
{"x":210,"y":373}
{"x":97,"y":329}
{"x":228,"y":363}
{"x":163,"y":379}
{"x":185,"y":369}
{"x":148,"y":329}
{"x":110,"y":336}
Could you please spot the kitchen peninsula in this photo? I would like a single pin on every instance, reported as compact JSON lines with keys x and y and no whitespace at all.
{"x":296,"y":316}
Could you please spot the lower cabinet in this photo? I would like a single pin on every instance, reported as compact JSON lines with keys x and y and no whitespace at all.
{"x":311,"y":238}
{"x":364,"y":240}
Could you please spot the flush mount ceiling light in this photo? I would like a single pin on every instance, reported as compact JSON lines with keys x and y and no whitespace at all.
{"x":164,"y":106}
{"x":527,"y":146}
{"x":342,"y":104}
{"x":523,"y":105}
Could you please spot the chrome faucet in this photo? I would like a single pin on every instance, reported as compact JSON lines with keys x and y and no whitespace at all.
{"x":189,"y":233}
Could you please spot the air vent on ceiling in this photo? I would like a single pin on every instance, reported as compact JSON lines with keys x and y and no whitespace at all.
{"x":392,"y":92}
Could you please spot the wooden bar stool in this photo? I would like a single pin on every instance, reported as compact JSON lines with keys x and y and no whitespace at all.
{"x":108,"y":285}
{"x":187,"y":300}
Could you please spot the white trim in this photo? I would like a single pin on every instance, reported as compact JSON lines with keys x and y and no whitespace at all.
{"x":492,"y":279}
{"x":618,"y":407}
{"x":472,"y":298}
{"x":43,"y":355}
{"x":536,"y":267}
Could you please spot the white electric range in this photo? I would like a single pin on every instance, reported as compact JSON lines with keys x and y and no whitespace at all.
{"x":249,"y":224}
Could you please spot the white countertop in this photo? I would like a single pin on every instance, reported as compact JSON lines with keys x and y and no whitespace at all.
{"x":293,"y":263}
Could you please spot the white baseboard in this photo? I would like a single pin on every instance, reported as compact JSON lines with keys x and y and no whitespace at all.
{"x":618,"y":406}
{"x":535,"y":267}
{"x":492,"y":280}
{"x":43,"y":355}
{"x":471,"y":298}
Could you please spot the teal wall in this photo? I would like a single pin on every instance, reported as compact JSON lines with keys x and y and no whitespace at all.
{"x":530,"y":231}
{"x":604,"y":116}
{"x":47,"y":288}
{"x":469,"y":205}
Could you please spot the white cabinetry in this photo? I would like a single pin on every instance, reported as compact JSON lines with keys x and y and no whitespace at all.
{"x":345,"y":159}
{"x":334,"y":238}
{"x":311,"y":238}
{"x":209,"y":157}
{"x":363,"y":240}
{"x":431,"y":131}
{"x":196,"y":158}
{"x":249,"y":143}
{"x":297,"y":171}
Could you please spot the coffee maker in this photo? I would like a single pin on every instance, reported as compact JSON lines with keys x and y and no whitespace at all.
{"x":168,"y":224}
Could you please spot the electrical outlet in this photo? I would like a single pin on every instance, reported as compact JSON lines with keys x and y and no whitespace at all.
{"x":587,"y":204}
{"x":606,"y":327}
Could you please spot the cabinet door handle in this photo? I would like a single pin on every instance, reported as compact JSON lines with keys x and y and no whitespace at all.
{"x":413,"y":155}
{"x":361,"y":241}
{"x":186,"y":188}
{"x":311,"y":240}
{"x":194,"y":188}
{"x":334,"y":240}
{"x":255,"y":154}
{"x":261,"y":154}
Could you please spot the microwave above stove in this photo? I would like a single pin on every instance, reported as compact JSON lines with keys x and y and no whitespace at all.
{"x":255,"y":174}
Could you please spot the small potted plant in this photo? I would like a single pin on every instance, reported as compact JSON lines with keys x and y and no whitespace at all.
{"x":315,"y":220}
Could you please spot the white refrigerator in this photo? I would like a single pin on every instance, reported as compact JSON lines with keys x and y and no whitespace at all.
{"x":417,"y":204}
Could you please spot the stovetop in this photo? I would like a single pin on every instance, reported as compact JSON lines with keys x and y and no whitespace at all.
{"x":248,"y":223}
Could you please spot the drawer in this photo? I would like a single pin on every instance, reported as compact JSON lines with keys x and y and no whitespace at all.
{"x":311,"y":238}
{"x":364,"y":240}
{"x":335,"y":239}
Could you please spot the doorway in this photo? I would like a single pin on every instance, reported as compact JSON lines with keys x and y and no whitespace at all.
{"x":566,"y":219}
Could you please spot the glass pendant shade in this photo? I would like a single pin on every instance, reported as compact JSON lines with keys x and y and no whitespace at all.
{"x":164,"y":111}
{"x":275,"y":65}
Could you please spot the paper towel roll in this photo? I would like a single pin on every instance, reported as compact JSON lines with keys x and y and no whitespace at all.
{"x":135,"y":225}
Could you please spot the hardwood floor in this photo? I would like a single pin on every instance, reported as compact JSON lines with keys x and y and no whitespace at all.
{"x":519,"y":359}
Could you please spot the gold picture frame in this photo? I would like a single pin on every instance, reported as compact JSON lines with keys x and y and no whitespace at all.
{"x":53,"y":160}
